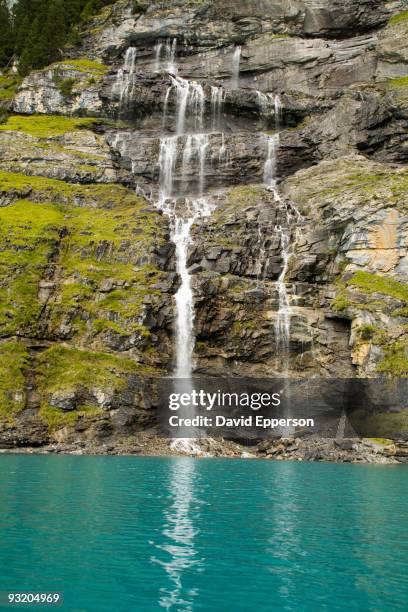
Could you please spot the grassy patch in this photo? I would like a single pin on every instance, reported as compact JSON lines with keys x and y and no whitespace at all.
{"x":340,"y":302}
{"x":65,"y":368}
{"x":395,"y":361}
{"x":45,"y":126}
{"x":13,"y":360}
{"x":43,"y":189}
{"x":398,"y":83}
{"x":55,"y":418}
{"x":382,"y":424}
{"x":94,"y":245}
{"x":374,"y":283}
{"x":83,"y":65}
{"x":244,"y":195}
{"x":28,"y":233}
{"x":400,"y":18}
{"x":8,"y":86}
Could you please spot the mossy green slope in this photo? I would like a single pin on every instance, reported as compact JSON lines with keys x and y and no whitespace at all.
{"x":93,"y":245}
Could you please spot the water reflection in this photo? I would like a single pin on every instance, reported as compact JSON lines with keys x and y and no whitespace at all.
{"x":179,"y":533}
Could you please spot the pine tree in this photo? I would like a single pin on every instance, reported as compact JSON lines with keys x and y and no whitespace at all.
{"x":55,"y":31}
{"x":6,"y":34}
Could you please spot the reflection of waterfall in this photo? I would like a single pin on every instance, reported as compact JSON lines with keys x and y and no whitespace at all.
{"x":125,"y":79}
{"x":165,"y":56}
{"x":236,"y":59}
{"x":179,"y":534}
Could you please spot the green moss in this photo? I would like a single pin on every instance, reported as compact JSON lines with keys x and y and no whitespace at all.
{"x":373,"y":333}
{"x":366,"y":332}
{"x":395,"y":361}
{"x":13,"y":361}
{"x":381,"y":441}
{"x":239,"y":326}
{"x":8,"y":86}
{"x":83,"y":65}
{"x":340,"y":302}
{"x":55,"y":418}
{"x":244,"y":195}
{"x":400,"y":18}
{"x":401,"y":312}
{"x":374,"y":283}
{"x":28,"y":233}
{"x":65,"y":368}
{"x":386,"y":185}
{"x":45,"y":126}
{"x":384,"y":424}
{"x":95,"y":232}
{"x":398,"y":83}
{"x":52,"y":190}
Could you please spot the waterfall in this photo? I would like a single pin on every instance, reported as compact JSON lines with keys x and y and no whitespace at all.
{"x":265,"y":101}
{"x":192,"y":148}
{"x":196,"y":147}
{"x":190,"y":101}
{"x":125,"y":78}
{"x":157,"y":55}
{"x":278,"y":111}
{"x":184,"y":298}
{"x":283,"y":319}
{"x":165,"y":56}
{"x":167,"y":163}
{"x":190,"y":95}
{"x":282,"y":325}
{"x":272,"y":144}
{"x":236,"y":58}
{"x":268,"y":102}
{"x":217,"y":102}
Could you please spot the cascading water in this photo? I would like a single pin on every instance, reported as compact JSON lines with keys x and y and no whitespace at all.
{"x":217,"y":102}
{"x":190,"y":101}
{"x":272,"y":144}
{"x":270,"y":102}
{"x":165,"y":56}
{"x":278,"y":110}
{"x":182,"y":171}
{"x":282,"y":325}
{"x":182,"y":165}
{"x":236,"y":60}
{"x":283,"y":318}
{"x":125,"y":79}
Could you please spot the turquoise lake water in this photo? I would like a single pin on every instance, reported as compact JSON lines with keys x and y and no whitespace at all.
{"x":143,"y":534}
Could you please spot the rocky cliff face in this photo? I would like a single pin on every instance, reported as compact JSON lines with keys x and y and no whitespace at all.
{"x":303,"y":104}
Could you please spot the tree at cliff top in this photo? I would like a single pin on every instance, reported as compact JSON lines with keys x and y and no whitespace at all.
{"x":6,"y":34}
{"x":43,"y":27}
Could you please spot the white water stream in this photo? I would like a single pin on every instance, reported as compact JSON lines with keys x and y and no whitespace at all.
{"x":125,"y":78}
{"x":165,"y":56}
{"x":236,"y":60}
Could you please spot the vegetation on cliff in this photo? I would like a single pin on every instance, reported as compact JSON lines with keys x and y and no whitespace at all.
{"x":35,"y":31}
